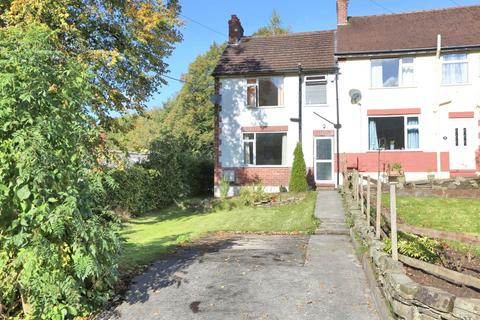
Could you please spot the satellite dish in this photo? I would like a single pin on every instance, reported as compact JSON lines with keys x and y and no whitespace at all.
{"x":355,"y":96}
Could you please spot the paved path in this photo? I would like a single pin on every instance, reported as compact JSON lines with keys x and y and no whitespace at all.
{"x":258,"y":277}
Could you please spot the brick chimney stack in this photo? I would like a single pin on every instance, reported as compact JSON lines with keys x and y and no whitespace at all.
{"x":235,"y":30}
{"x":342,"y":12}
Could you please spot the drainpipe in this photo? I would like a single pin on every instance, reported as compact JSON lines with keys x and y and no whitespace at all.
{"x":437,"y":103}
{"x":337,"y":126}
{"x":300,"y":103}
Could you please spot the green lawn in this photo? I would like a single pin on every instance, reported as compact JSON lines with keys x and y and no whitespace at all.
{"x":449,"y":214}
{"x":149,"y":236}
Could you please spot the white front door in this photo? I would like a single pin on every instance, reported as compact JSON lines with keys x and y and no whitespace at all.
{"x":463,"y":142}
{"x":324,"y":160}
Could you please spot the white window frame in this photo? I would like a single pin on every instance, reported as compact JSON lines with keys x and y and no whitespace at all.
{"x":315,"y":160}
{"x":257,"y":92}
{"x":405,"y":133}
{"x":399,"y":73}
{"x":255,"y":150}
{"x":455,"y":62}
{"x":309,"y":78}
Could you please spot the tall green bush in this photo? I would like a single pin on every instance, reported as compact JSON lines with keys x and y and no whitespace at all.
{"x":298,"y":179}
{"x":57,"y":252}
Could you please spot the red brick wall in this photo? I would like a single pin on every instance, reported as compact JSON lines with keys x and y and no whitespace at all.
{"x":412,"y":161}
{"x":268,"y":176}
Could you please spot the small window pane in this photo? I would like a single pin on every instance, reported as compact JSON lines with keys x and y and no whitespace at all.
{"x":454,"y":57}
{"x":248,"y":136}
{"x":270,"y":148}
{"x":324,"y":171}
{"x":465,"y":136}
{"x":248,"y":152}
{"x":407,"y":72}
{"x":270,"y":91}
{"x":252,"y":96}
{"x":412,"y":121}
{"x":324,"y":149}
{"x":316,"y":92}
{"x":252,"y":81}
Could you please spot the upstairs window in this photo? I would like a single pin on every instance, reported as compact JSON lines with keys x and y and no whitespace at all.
{"x":265,"y":92}
{"x":392,"y":72}
{"x":265,"y":148}
{"x":454,"y":68}
{"x":315,"y":90}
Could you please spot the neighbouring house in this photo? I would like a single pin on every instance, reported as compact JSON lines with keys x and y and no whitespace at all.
{"x":408,"y":85}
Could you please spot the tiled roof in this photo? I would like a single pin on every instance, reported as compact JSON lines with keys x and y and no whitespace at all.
{"x":459,"y":27}
{"x":263,"y":54}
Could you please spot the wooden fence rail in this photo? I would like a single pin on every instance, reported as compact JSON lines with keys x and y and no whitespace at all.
{"x":392,"y":221}
{"x":381,"y":211}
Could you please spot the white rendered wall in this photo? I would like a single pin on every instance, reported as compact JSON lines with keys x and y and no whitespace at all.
{"x":427,"y":94}
{"x":235,"y":114}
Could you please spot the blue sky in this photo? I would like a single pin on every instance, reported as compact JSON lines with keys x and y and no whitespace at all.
{"x":299,"y":15}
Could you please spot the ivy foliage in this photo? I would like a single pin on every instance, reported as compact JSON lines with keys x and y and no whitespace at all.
{"x":416,"y":247}
{"x":298,"y":179}
{"x":57,"y":253}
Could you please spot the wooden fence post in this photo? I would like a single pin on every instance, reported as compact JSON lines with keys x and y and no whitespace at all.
{"x":356,"y":187}
{"x":378,"y":217}
{"x":393,"y":221}
{"x":368,"y":200}
{"x":362,"y":204}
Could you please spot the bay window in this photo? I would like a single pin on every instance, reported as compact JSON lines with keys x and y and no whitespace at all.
{"x":454,"y":68}
{"x":265,"y":92}
{"x":394,"y":133}
{"x":392,"y":72}
{"x":265,"y":148}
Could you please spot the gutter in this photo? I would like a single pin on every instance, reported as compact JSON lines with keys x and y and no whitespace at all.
{"x":274,"y":72}
{"x":351,"y":54}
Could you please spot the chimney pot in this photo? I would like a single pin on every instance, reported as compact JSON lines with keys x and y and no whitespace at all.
{"x":342,"y":12}
{"x":235,"y":30}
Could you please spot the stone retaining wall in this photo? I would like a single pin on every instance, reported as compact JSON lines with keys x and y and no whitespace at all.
{"x":407,"y":298}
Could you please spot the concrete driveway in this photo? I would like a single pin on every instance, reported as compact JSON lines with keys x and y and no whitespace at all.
{"x":253,"y":277}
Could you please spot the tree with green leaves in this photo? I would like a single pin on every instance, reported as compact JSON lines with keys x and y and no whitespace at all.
{"x":298,"y":179}
{"x":274,"y":27}
{"x":124,"y":43}
{"x":57,"y":252}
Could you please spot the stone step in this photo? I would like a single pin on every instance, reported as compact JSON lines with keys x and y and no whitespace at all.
{"x":338,"y":232}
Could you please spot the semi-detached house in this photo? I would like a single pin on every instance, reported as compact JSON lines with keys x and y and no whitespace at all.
{"x":406,"y":84}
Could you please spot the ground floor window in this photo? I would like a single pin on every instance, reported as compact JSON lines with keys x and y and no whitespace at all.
{"x":393,"y":133}
{"x":265,"y":148}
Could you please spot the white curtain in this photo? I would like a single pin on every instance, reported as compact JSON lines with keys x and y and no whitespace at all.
{"x":377,"y":74}
{"x":284,"y":149}
{"x":454,"y":73}
{"x":372,"y":135}
{"x":413,"y":136}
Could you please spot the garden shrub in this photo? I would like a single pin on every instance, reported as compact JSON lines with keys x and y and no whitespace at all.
{"x":58,"y":252}
{"x":249,"y":195}
{"x":413,"y":246}
{"x":224,"y":187}
{"x":298,"y":179}
{"x":133,"y":190}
